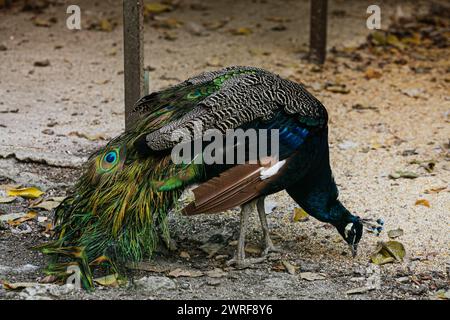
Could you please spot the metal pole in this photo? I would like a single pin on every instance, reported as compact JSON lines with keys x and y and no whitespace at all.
{"x":133,"y":44}
{"x":318,"y":31}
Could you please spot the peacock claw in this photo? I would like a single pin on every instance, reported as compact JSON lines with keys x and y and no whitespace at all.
{"x":270,"y":247}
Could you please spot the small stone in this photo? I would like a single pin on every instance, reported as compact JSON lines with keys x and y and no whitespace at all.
{"x":269,"y":206}
{"x":42,"y":63}
{"x":3,"y":47}
{"x":195,"y":29}
{"x":48,"y":132}
{"x":413,"y":92}
{"x":312,"y":276}
{"x":280,"y":27}
{"x":185,"y":255}
{"x":155,"y":283}
{"x":216,"y":273}
{"x":359,"y":290}
{"x":316,"y":86}
{"x":276,"y":283}
{"x":347,"y":144}
{"x":185,"y":285}
{"x":213,"y":282}
{"x":403,"y":279}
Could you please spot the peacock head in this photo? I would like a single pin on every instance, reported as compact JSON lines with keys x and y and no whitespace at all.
{"x":352,"y":232}
{"x":349,"y":226}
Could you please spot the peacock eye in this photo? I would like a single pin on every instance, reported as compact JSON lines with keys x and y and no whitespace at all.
{"x":111,"y":157}
{"x":108,"y":161}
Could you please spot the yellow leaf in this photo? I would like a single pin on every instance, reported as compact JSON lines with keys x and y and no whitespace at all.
{"x":241,"y":31}
{"x":155,"y":7}
{"x":105,"y":25}
{"x":111,"y":280}
{"x":29,"y":216}
{"x":395,"y":42}
{"x":28,"y":193}
{"x":387,"y":252}
{"x":300,"y":215}
{"x":423,"y":202}
{"x":41,"y":23}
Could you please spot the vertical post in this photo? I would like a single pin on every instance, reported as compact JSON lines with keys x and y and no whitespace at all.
{"x":318,"y":31}
{"x":133,"y":48}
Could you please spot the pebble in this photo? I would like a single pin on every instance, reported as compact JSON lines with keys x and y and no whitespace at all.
{"x":155,"y":283}
{"x":42,"y":63}
{"x":347,"y":144}
{"x":213,"y":282}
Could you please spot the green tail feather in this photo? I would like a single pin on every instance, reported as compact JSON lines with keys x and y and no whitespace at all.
{"x":118,"y":209}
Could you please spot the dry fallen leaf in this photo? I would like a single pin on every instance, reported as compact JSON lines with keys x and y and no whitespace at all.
{"x":216,"y":273}
{"x":28,"y":193}
{"x":372,"y":73}
{"x":39,"y":22}
{"x":20,"y":285}
{"x":300,"y":215}
{"x":155,"y":7}
{"x":112,"y":281}
{"x":395,"y":233}
{"x":47,"y":205}
{"x":252,"y":249}
{"x":105,"y":25}
{"x":145,"y":266}
{"x":29,"y":216}
{"x":7,"y":199}
{"x":277,"y":19}
{"x":338,"y":88}
{"x":241,"y":31}
{"x":312,"y":276}
{"x":167,"y":23}
{"x":387,"y":252}
{"x":86,"y":136}
{"x":422,"y":202}
{"x":42,"y":63}
{"x":185,"y":255}
{"x":435,"y":190}
{"x":443,"y":295}
{"x":213,"y":62}
{"x":11,"y":216}
{"x":403,"y":174}
{"x":359,"y":290}
{"x":215,"y":25}
{"x":289,"y":267}
{"x":185,"y":273}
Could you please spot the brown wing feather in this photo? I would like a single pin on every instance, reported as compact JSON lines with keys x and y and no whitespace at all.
{"x":230,"y":189}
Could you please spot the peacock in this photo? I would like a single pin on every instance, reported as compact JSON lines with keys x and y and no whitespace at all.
{"x":117,"y":211}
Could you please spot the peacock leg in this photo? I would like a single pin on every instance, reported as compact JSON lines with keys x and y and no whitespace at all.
{"x":239,"y":259}
{"x":268,"y":244}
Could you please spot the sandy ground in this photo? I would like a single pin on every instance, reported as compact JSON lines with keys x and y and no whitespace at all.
{"x":45,"y":110}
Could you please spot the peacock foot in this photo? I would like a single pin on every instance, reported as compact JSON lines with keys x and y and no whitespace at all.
{"x":270,"y":248}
